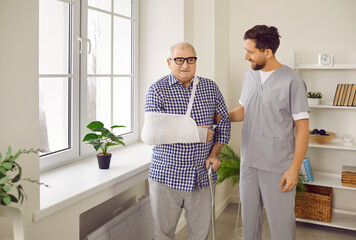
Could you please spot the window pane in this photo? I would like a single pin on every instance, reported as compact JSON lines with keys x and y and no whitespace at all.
{"x":99,"y":100}
{"x":53,"y":37}
{"x":122,"y":7}
{"x":122,"y":104}
{"x":102,"y":4}
{"x":99,"y":33}
{"x":54,"y":114}
{"x":122,"y":46}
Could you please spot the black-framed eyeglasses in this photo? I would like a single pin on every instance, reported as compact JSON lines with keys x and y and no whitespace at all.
{"x":181,"y":60}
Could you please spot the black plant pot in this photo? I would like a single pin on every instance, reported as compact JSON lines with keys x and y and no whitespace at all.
{"x":104,"y":160}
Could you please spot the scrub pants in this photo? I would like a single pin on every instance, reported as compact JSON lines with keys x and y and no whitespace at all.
{"x":167,"y":204}
{"x":260,"y":189}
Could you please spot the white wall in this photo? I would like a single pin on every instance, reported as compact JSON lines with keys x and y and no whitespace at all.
{"x":19,"y":89}
{"x":161,"y":25}
{"x":211,"y":31}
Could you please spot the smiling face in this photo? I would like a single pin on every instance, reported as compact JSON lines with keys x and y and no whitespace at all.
{"x":185,"y":72}
{"x":257,"y":58}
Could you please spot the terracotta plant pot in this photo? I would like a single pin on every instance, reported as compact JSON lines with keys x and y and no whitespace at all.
{"x":104,"y":160}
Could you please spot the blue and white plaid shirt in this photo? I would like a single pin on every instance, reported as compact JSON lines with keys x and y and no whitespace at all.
{"x":181,"y":165}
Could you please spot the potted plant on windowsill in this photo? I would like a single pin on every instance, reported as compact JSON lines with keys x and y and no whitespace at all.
{"x":102,"y":138}
{"x":314,"y":98}
{"x":11,"y":175}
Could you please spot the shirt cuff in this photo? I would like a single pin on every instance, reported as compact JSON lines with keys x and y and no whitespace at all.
{"x":224,"y":139}
{"x":301,"y":115}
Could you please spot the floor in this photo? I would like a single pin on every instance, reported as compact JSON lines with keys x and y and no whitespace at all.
{"x":225,"y":227}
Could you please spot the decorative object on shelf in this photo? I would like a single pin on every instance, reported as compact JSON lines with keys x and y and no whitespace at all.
{"x":321,"y":136}
{"x":315,"y":203}
{"x":307,"y":170}
{"x":347,"y":140}
{"x":345,"y":95}
{"x":314,"y":98}
{"x":326,"y":60}
{"x":348,"y":176}
{"x":103,"y":138}
{"x":11,"y":175}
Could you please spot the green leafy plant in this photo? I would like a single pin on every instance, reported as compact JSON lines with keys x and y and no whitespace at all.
{"x":10,"y":176}
{"x":230,"y":166}
{"x":301,"y":188}
{"x":102,"y":137}
{"x":314,"y":95}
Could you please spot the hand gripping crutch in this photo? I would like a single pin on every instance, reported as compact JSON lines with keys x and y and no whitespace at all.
{"x":212,"y":201}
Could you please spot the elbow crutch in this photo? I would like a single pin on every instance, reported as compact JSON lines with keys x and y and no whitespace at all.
{"x":212,"y":201}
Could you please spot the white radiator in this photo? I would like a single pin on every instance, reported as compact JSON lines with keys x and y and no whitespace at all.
{"x":135,"y":223}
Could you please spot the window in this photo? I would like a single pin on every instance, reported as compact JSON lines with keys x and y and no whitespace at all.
{"x":87,"y":72}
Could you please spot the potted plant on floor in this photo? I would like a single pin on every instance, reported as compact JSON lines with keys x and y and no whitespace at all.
{"x":103,"y":138}
{"x":314,"y":98}
{"x":230,"y":166}
{"x":11,"y":175}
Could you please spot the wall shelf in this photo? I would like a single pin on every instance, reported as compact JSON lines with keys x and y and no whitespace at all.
{"x":317,"y":67}
{"x":328,"y":179}
{"x":340,"y":219}
{"x":330,"y":106}
{"x":333,"y":145}
{"x":345,"y":219}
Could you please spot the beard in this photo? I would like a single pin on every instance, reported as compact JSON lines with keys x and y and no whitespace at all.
{"x":259,"y":66}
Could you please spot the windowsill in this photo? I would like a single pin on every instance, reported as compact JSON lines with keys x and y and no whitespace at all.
{"x":79,"y":180}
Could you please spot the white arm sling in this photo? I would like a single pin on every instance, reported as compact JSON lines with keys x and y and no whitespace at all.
{"x":165,"y":128}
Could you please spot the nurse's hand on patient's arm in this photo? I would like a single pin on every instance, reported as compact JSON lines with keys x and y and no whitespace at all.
{"x":217,"y":118}
{"x":237,"y":115}
{"x":289,"y":180}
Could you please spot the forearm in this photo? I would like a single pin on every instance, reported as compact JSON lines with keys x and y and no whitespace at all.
{"x":215,"y":151}
{"x":237,"y":115}
{"x":301,"y":142}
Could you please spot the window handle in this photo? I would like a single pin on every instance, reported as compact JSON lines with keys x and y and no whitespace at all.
{"x":80,"y":44}
{"x":89,"y":43}
{"x":79,"y":39}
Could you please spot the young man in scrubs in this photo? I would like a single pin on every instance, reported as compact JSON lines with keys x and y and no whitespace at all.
{"x":275,"y":135}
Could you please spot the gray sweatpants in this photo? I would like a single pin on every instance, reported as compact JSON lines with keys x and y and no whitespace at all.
{"x":260,"y":189}
{"x":167,"y":205}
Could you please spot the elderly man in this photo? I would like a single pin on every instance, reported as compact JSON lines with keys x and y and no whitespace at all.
{"x":178,"y":175}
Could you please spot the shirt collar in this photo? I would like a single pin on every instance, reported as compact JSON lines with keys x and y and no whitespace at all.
{"x":172,"y":79}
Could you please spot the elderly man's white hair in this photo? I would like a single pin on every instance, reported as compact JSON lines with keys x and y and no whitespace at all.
{"x":181,"y":45}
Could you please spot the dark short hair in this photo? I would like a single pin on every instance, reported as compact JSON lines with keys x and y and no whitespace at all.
{"x":265,"y":37}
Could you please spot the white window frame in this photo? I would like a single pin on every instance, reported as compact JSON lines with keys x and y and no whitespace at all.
{"x":79,"y":149}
